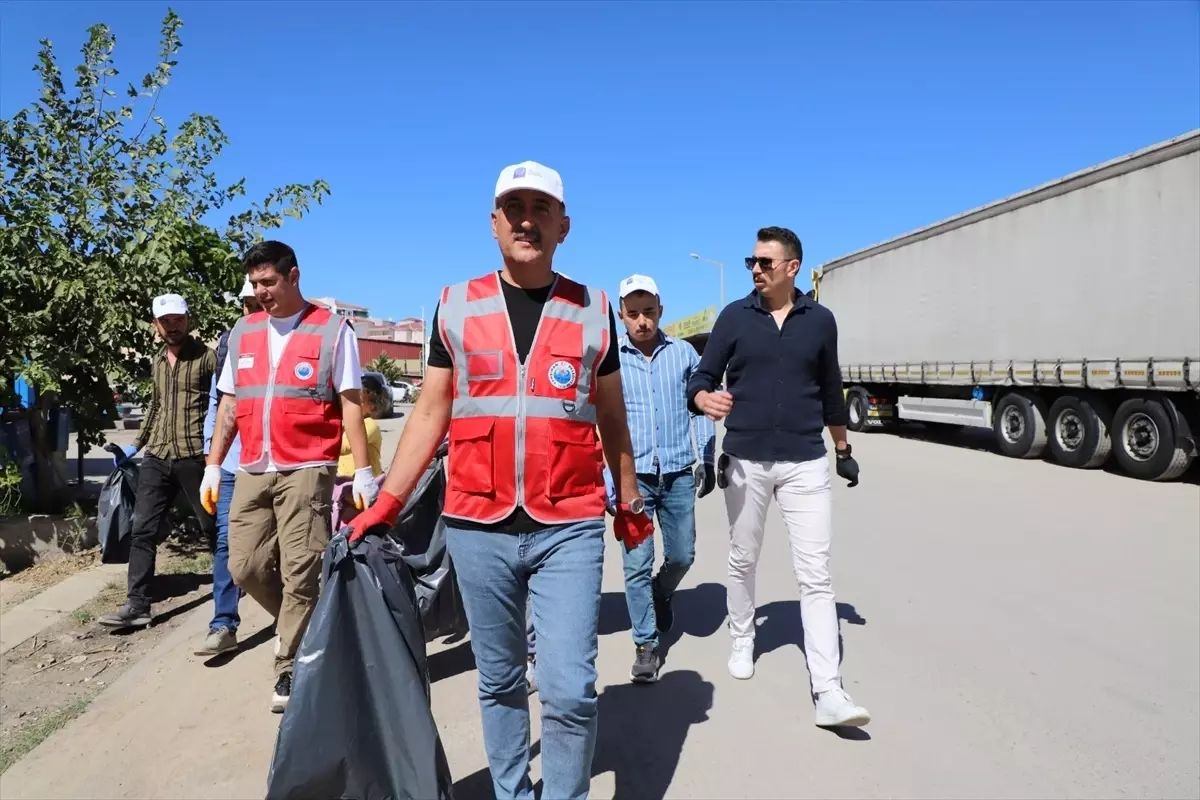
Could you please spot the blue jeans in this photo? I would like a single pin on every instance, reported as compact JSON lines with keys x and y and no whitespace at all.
{"x":559,"y":569}
{"x":225,"y":593}
{"x":673,"y":497}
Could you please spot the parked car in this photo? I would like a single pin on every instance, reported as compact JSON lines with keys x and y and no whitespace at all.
{"x":382,"y":396}
{"x":403,"y":391}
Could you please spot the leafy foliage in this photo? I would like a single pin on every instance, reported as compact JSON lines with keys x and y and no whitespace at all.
{"x":385,"y":366}
{"x":101,"y":209}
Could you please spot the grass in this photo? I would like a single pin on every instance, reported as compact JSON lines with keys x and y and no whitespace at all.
{"x":108,"y":599}
{"x":195,"y":565}
{"x":25,"y":737}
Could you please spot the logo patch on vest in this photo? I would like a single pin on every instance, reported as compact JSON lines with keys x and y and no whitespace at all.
{"x":246,"y":362}
{"x":562,"y":375}
{"x":303,"y":370}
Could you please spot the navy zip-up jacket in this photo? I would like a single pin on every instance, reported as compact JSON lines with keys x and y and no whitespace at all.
{"x":786,"y":382}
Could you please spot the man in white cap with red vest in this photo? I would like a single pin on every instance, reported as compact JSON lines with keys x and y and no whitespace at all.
{"x":289,"y":384}
{"x":522,"y":370}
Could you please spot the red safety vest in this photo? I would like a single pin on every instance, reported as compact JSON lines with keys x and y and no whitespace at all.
{"x":524,"y":434}
{"x":294,"y":406}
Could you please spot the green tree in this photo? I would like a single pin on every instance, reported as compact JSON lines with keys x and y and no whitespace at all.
{"x":387,"y":367}
{"x":101,"y":208}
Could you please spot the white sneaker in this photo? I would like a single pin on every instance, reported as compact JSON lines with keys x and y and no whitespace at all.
{"x":741,"y":661}
{"x":836,"y":709}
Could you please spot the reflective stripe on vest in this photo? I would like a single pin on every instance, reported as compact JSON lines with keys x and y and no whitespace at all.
{"x":551,"y":396}
{"x":306,"y":427}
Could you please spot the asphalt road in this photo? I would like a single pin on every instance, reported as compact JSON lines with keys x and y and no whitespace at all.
{"x":1015,"y":628}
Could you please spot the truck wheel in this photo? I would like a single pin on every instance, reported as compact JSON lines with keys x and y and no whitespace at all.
{"x":857,"y":404}
{"x":1079,"y":429}
{"x":1019,"y":423}
{"x":1145,"y":430}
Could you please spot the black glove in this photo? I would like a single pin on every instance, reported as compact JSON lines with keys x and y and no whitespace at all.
{"x":847,"y":467}
{"x":706,"y":479}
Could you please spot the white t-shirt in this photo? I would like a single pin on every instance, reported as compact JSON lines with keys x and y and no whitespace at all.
{"x":347,"y":374}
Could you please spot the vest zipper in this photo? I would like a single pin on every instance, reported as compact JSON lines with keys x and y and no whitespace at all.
{"x":520,"y":448}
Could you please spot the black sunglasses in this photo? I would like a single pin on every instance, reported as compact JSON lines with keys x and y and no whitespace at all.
{"x":764,"y":261}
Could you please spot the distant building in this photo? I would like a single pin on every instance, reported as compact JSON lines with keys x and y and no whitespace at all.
{"x":343,"y":309}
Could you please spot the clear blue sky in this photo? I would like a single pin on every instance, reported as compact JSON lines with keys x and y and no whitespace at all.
{"x":677,"y":127}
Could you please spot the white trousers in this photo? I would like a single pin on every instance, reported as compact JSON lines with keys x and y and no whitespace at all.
{"x":803,"y":492}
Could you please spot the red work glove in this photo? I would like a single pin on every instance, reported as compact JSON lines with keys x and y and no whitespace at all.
{"x":385,"y":510}
{"x":632,"y":529}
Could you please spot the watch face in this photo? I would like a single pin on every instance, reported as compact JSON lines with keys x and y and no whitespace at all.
{"x":637,"y":506}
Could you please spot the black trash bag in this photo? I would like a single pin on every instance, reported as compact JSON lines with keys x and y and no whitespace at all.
{"x":359,"y":722}
{"x":114,"y":513}
{"x":422,"y":536}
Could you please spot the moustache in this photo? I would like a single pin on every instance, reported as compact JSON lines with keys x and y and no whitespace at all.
{"x":532,"y":236}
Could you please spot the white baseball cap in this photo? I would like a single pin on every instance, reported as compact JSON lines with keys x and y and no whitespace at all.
{"x":530,"y":175}
{"x":166,"y":304}
{"x":247,"y":289}
{"x":638,"y":283}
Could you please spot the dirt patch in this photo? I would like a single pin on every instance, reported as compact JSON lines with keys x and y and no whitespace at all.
{"x":49,"y":571}
{"x":50,"y":679}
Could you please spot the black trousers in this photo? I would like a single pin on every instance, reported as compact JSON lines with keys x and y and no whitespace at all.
{"x":159,"y":482}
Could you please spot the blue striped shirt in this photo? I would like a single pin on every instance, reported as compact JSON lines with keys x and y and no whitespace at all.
{"x":655,"y":392}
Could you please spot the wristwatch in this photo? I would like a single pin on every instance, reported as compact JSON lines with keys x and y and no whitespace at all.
{"x":844,"y":452}
{"x":635,"y":506}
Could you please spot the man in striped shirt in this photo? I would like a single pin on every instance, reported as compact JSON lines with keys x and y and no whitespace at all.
{"x":655,"y":369}
{"x":173,"y":435}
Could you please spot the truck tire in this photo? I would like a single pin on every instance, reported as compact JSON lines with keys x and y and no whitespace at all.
{"x":1079,"y":431}
{"x":1145,"y":432}
{"x":857,"y":405}
{"x":1019,"y":423}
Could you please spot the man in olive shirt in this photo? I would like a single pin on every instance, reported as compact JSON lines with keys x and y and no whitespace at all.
{"x":173,"y":435}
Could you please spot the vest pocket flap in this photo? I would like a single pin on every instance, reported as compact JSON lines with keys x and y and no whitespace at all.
{"x":563,"y":347}
{"x":564,"y":432}
{"x":468,"y":429}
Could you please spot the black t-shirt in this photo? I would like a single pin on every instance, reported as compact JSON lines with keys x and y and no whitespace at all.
{"x":524,"y":311}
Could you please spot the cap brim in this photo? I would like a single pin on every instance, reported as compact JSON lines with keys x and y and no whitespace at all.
{"x":519,"y":187}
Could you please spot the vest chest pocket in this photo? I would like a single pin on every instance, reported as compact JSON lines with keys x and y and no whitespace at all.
{"x":473,"y":455}
{"x":574,"y":467}
{"x":302,"y":368}
{"x":564,"y":367}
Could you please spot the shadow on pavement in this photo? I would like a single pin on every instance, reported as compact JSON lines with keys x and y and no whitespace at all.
{"x":781,"y":625}
{"x":643,"y":765}
{"x":453,"y":661}
{"x":699,"y":611}
{"x":643,"y":729}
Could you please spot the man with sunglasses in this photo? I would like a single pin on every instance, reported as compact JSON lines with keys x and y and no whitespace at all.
{"x":779,"y":349}
{"x":222,"y":631}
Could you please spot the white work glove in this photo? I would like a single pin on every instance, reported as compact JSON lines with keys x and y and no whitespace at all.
{"x":365,"y":489}
{"x":210,"y":488}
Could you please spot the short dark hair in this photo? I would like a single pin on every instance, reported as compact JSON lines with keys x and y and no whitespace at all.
{"x":271,"y":253}
{"x":789,"y":240}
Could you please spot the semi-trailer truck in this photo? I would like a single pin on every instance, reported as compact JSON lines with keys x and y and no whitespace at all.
{"x":1066,"y":318}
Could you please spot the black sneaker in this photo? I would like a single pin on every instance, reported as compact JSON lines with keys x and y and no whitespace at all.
{"x":664,"y":615}
{"x":645,"y":664}
{"x":126,"y":616}
{"x":283,"y":692}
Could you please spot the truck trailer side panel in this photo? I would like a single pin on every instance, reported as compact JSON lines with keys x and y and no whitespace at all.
{"x":1102,"y":264}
